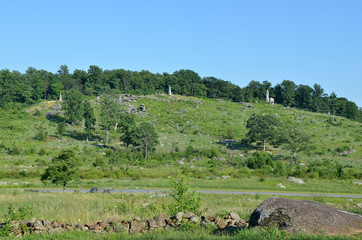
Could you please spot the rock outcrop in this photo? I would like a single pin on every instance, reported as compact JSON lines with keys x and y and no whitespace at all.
{"x":305,"y":217}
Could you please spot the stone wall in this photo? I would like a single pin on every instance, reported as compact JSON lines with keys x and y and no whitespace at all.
{"x":232,"y":222}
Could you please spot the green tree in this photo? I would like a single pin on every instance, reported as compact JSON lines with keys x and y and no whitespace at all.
{"x":61,"y":128}
{"x":126,"y":125}
{"x":303,"y":97}
{"x":110,"y":113}
{"x":144,"y":138}
{"x":262,"y":129}
{"x":62,"y":169}
{"x":89,"y":118}
{"x":56,"y":89}
{"x":285,"y":93}
{"x":294,"y":139}
{"x":73,"y":106}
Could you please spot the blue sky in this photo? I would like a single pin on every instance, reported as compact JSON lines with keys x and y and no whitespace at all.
{"x":300,"y":40}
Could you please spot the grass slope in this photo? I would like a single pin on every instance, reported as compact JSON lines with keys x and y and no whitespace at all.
{"x":180,"y":121}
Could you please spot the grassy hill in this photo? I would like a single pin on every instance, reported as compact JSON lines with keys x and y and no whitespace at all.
{"x":214,"y":128}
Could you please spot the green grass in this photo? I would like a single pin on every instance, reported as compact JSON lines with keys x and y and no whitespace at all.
{"x":87,"y":207}
{"x":192,"y":235}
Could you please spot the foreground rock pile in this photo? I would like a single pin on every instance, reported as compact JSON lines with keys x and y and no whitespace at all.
{"x":232,"y":222}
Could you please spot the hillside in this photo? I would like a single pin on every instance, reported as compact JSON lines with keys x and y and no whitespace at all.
{"x":213,"y":128}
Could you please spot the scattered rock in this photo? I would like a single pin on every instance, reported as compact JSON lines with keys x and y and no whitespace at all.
{"x":234,"y":216}
{"x":94,"y":190}
{"x":305,"y":216}
{"x":295,"y":180}
{"x":178,"y":216}
{"x":3,"y":183}
{"x":347,"y":152}
{"x":281,"y":185}
{"x":223,"y":177}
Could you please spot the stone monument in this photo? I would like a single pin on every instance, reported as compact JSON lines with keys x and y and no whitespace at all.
{"x":169,"y":91}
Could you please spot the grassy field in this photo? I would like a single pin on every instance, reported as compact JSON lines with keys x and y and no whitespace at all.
{"x":87,"y":208}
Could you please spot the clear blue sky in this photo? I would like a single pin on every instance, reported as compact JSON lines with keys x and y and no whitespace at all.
{"x":305,"y":41}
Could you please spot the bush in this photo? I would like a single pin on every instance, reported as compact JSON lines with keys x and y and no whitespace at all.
{"x":20,"y":214}
{"x":184,"y":199}
{"x":279,"y":170}
{"x":99,"y":162}
{"x":259,"y":159}
{"x":61,"y":128}
{"x":242,"y":173}
{"x":41,"y":134}
{"x":37,"y":113}
{"x":42,"y":152}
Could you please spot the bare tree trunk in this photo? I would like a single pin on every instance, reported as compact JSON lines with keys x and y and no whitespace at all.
{"x":146,"y":152}
{"x":264,"y":145}
{"x":64,"y":187}
{"x":294,"y":157}
{"x":107,"y":135}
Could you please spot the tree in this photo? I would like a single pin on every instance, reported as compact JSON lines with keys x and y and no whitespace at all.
{"x":144,"y":138}
{"x":89,"y":118}
{"x":61,"y":128}
{"x":285,"y":93}
{"x":110,"y":112}
{"x":126,"y":125}
{"x":73,"y":106}
{"x":56,"y":89}
{"x":62,"y":169}
{"x":303,"y":97}
{"x":262,"y":129}
{"x":294,"y":139}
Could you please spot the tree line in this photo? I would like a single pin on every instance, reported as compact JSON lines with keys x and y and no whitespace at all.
{"x":35,"y":85}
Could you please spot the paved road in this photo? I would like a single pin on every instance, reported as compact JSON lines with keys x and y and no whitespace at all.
{"x":212,"y":192}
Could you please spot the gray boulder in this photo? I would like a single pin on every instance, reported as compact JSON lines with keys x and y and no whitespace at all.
{"x":305,"y":216}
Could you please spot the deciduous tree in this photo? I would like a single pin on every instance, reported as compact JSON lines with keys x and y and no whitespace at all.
{"x":262,"y":129}
{"x":62,"y":169}
{"x":89,"y":118}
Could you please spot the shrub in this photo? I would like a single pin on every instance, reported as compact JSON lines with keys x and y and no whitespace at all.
{"x":279,"y":170}
{"x":42,"y":152}
{"x":242,"y":173}
{"x":61,"y":128}
{"x":37,"y":113}
{"x":20,"y":214}
{"x":41,"y":134}
{"x":99,"y":162}
{"x":184,"y":199}
{"x":259,"y":160}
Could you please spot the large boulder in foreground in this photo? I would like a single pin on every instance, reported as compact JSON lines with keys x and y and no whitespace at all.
{"x":305,"y":216}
